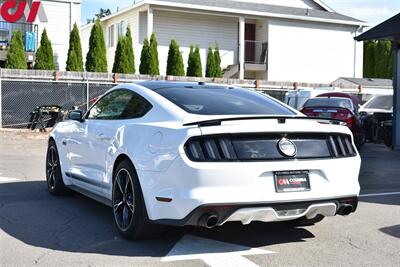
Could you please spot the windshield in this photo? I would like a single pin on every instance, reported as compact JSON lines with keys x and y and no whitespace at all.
{"x":224,"y":101}
{"x":381,"y":102}
{"x":329,"y":102}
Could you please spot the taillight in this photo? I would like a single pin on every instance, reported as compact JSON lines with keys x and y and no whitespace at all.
{"x":307,"y":112}
{"x":210,"y":149}
{"x":342,"y":146}
{"x":264,"y":147}
{"x":350,"y":121}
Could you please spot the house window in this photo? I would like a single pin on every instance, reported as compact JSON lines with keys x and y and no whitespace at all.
{"x":121,"y":28}
{"x":111,"y":36}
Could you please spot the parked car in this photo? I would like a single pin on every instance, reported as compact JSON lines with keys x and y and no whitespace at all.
{"x":167,"y":153}
{"x":373,"y":113}
{"x":337,"y":108}
{"x":297,"y":98}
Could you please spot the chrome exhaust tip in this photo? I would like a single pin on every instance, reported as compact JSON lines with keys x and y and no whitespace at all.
{"x":208,"y":220}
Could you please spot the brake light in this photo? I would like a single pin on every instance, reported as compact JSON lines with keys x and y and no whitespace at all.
{"x":307,"y":112}
{"x":350,"y":121}
{"x":251,"y":147}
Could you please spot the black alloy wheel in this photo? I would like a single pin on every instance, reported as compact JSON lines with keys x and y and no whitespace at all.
{"x":55,"y":183}
{"x":129,"y":209}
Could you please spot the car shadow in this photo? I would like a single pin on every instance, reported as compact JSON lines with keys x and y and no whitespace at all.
{"x":75,"y":223}
{"x":379,"y":174}
{"x":393,"y":200}
{"x":392,"y":230}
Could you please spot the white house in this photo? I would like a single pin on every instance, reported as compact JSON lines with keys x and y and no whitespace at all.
{"x":278,"y":40}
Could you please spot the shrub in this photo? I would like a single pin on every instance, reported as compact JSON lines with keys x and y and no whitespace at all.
{"x":154,"y":69}
{"x":44,"y":55}
{"x":145,"y":58}
{"x":175,"y":65}
{"x":16,"y":53}
{"x":129,"y":53}
{"x":217,"y":61}
{"x":120,"y":59}
{"x":210,"y":67}
{"x":194,"y":68}
{"x":96,"y":58}
{"x":189,"y":70}
{"x":198,"y":69}
{"x":75,"y":58}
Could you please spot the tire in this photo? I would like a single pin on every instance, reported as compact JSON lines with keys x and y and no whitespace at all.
{"x":307,"y":222}
{"x":129,"y":211}
{"x":55,"y":183}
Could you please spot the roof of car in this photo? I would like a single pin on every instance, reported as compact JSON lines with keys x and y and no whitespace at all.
{"x":355,"y":99}
{"x":156,"y":85}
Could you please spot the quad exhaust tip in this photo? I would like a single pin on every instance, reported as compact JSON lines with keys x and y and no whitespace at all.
{"x":208,"y":220}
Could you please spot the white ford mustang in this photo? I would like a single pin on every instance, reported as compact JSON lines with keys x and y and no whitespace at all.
{"x":167,"y":153}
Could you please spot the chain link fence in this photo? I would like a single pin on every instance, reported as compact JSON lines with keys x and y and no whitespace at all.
{"x":19,"y":98}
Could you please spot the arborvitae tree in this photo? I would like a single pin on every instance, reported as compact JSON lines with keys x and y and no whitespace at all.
{"x":154,"y":69}
{"x":129,"y":51}
{"x":16,"y":53}
{"x":120,"y":59}
{"x":217,"y":59}
{"x":175,"y":65}
{"x":369,"y":59}
{"x":96,"y":58}
{"x":198,"y":69}
{"x":145,"y":58}
{"x":75,"y":58}
{"x":190,"y":63}
{"x":44,"y":55}
{"x":194,"y":68}
{"x":210,"y":67}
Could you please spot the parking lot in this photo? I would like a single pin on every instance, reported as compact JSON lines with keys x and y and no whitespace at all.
{"x":38,"y":229}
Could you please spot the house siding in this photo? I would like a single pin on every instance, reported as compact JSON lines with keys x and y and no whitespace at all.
{"x":196,"y":29}
{"x":186,"y":28}
{"x":312,"y":52}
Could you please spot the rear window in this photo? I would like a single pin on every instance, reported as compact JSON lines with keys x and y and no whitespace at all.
{"x":223,"y":101}
{"x":329,"y":102}
{"x":381,"y":102}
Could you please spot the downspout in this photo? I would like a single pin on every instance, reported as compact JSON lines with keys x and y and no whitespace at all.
{"x":70,"y":16}
{"x":355,"y":51}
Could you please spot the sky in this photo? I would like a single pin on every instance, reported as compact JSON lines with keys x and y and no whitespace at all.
{"x":370,"y":11}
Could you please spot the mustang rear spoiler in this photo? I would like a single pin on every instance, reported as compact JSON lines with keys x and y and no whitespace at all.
{"x":281,"y":119}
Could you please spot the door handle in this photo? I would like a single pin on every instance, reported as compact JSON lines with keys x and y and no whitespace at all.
{"x":103,"y":137}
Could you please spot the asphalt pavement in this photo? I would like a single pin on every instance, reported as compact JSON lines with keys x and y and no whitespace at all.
{"x":37,"y":229}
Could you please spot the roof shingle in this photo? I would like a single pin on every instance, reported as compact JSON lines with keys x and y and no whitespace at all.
{"x":273,"y":9}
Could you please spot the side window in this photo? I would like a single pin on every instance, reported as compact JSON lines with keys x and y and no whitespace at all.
{"x":136,"y":108}
{"x":119,"y":105}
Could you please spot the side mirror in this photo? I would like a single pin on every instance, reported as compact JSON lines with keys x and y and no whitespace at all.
{"x":76,"y":115}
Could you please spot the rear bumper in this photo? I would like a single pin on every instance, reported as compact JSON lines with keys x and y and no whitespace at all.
{"x":190,"y":185}
{"x":266,"y":212}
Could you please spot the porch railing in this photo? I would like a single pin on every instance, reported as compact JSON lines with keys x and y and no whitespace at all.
{"x":29,"y":33}
{"x":256,"y":52}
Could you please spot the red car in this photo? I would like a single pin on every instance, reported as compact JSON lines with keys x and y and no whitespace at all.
{"x":338,"y":106}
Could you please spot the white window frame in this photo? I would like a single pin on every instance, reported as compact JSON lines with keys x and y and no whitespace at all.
{"x":121,"y":28}
{"x":111,"y":35}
